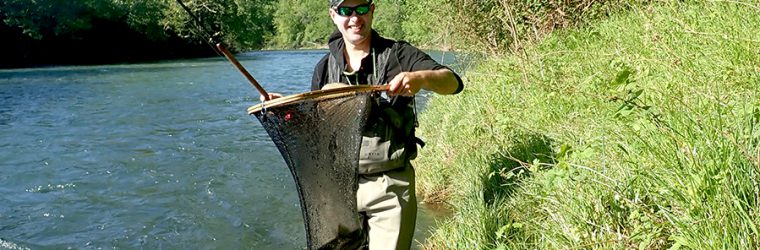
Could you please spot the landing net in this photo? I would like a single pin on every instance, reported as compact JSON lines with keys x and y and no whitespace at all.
{"x":319,"y":135}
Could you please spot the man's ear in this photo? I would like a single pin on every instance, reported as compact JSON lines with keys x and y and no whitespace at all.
{"x":331,"y":12}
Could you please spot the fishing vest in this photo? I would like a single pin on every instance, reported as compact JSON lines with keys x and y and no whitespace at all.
{"x":388,"y":140}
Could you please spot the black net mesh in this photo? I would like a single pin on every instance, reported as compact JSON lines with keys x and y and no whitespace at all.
{"x":320,"y":140}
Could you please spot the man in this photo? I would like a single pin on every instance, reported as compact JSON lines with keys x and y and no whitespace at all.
{"x":358,"y":55}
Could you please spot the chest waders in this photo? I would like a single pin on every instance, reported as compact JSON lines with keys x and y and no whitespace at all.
{"x":388,"y":141}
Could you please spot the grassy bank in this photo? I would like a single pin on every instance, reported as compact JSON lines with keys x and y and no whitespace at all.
{"x":639,"y":131}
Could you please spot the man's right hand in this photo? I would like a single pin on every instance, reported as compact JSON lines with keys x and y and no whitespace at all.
{"x":272,"y":96}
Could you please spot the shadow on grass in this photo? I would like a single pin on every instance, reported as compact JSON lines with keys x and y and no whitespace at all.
{"x":510,"y":166}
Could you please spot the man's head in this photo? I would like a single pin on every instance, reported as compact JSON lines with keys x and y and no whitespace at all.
{"x":353,"y":18}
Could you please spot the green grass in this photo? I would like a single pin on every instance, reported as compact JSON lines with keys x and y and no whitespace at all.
{"x":638,"y":131}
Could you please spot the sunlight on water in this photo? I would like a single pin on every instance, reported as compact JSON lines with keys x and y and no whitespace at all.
{"x":50,"y":188}
{"x":11,"y":245}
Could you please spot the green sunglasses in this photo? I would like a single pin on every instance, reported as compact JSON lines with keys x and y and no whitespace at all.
{"x":347,"y":11}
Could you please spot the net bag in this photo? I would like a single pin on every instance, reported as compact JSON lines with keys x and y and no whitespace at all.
{"x":318,"y":134}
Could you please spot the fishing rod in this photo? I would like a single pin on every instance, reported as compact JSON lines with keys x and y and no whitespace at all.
{"x":220,"y":46}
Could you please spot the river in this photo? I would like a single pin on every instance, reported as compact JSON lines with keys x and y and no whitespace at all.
{"x":155,"y":155}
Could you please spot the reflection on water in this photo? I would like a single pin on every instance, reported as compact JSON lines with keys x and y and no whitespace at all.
{"x":159,"y":155}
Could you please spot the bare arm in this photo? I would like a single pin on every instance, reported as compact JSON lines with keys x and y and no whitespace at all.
{"x":441,"y":81}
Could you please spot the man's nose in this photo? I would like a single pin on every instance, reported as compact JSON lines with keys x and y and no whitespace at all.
{"x":354,"y":16}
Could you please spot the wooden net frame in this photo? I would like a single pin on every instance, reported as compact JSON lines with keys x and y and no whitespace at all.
{"x":316,"y":95}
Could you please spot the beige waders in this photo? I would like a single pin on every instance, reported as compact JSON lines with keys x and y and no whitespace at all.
{"x":388,"y":201}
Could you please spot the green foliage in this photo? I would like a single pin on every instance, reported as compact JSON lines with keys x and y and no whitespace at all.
{"x":494,"y":26}
{"x":426,"y":23}
{"x":146,"y":16}
{"x":306,"y":23}
{"x":301,"y":24}
{"x":45,"y":18}
{"x":498,"y":26}
{"x":650,"y":118}
{"x":389,"y":17}
{"x":244,"y":24}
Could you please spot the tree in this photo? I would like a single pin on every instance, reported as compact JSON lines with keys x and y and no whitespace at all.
{"x":242,"y":24}
{"x":47,"y":18}
{"x":389,"y":18}
{"x":301,"y":23}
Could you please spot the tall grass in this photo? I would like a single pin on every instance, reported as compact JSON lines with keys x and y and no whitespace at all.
{"x":639,"y":131}
{"x":497,"y":26}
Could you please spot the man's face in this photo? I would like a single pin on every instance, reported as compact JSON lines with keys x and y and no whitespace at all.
{"x":355,"y":27}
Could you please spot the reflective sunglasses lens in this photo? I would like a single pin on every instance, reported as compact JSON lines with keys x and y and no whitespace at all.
{"x":345,"y":11}
{"x":362,"y":9}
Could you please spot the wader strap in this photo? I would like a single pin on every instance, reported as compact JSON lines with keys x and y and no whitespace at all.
{"x":333,"y":70}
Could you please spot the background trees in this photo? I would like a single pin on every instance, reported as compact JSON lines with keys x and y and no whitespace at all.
{"x":106,"y":31}
{"x":46,"y":32}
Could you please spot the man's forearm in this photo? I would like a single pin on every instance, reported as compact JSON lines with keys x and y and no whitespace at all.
{"x":441,"y":81}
